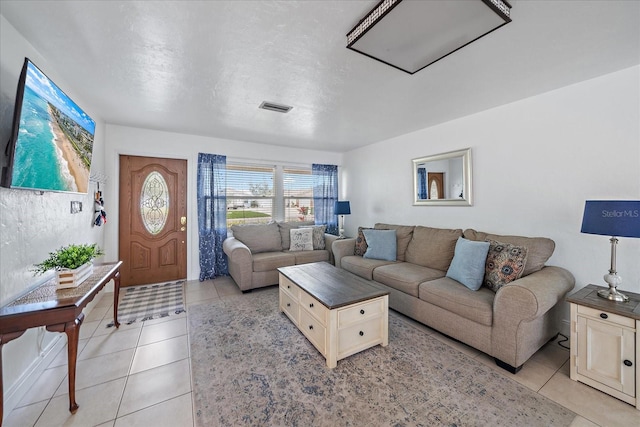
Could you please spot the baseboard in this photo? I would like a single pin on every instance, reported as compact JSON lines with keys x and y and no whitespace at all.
{"x":565,"y":327}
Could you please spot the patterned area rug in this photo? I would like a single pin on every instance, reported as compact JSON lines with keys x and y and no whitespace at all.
{"x":251,"y":366}
{"x":140,"y":303}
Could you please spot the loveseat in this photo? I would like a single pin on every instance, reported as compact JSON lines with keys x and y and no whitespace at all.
{"x":509,"y":322}
{"x":256,"y":251}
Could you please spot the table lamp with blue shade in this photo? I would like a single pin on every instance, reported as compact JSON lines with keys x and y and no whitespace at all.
{"x":342,"y":208}
{"x":615,"y":218}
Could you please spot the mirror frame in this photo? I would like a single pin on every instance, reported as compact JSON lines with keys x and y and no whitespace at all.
{"x":466,"y":179}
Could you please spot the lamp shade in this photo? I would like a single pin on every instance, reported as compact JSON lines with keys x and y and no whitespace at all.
{"x":342,"y":208}
{"x":619,"y":218}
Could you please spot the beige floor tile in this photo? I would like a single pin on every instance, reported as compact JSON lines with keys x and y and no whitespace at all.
{"x":156,"y":385}
{"x":533,"y":375}
{"x":101,"y":369}
{"x":160,"y":353}
{"x":98,"y":404}
{"x":111,"y":343}
{"x":45,"y":386}
{"x":97,"y":313}
{"x":88,"y":328}
{"x":207,"y":290}
{"x":107,"y":424}
{"x":227,"y":288}
{"x":61,"y":357}
{"x":592,"y":404}
{"x":175,"y":412}
{"x":170,"y":318}
{"x":107,"y":299}
{"x":579,"y":421}
{"x":25,"y":416}
{"x":103,"y":330}
{"x":551,"y":355}
{"x":162,"y":331}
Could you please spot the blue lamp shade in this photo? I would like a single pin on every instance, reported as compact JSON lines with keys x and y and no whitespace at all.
{"x":342,"y":208}
{"x":616,"y":218}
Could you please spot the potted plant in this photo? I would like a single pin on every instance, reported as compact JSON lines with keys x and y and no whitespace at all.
{"x":72,"y":264}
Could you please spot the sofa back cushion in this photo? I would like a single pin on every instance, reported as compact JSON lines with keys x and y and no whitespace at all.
{"x":539,"y":249}
{"x":432,"y":247}
{"x":403,"y":237}
{"x":285,"y":231}
{"x":259,"y":237}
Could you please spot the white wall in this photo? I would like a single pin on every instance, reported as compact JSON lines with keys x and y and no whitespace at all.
{"x":144,"y":142}
{"x":33,"y":224}
{"x":535,"y":162}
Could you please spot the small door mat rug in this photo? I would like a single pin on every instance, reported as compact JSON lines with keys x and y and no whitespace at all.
{"x":147,"y":302}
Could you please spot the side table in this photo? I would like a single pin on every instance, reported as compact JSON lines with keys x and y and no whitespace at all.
{"x":605,"y":344}
{"x":59,"y":310}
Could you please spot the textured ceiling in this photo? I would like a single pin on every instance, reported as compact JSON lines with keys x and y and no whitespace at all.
{"x":204,"y":67}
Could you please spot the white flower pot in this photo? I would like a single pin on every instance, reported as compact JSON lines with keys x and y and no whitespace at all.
{"x":73,"y":278}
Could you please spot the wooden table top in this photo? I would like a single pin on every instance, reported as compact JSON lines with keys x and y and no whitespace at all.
{"x":332,"y":286}
{"x":588,"y":296}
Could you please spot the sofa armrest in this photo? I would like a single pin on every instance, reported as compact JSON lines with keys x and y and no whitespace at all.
{"x":240,"y":262}
{"x":342,"y":247}
{"x":328,"y":242}
{"x":522,"y":302}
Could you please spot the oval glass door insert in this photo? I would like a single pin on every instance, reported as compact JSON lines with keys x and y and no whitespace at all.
{"x":154,"y":202}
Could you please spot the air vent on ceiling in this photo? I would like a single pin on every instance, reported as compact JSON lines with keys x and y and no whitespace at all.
{"x":275,"y":107}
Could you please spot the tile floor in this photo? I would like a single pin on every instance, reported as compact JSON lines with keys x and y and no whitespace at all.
{"x":140,"y":375}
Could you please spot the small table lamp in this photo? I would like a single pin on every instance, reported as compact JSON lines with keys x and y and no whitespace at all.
{"x":342,"y":209}
{"x":612,"y":218}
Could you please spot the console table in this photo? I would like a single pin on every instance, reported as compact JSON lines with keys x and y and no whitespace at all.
{"x":59,"y":310}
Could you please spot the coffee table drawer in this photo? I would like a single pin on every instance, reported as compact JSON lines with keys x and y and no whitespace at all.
{"x":314,"y":307}
{"x":289,"y":306}
{"x":360,"y":312}
{"x":313,"y":330}
{"x":290,"y":287}
{"x":359,"y":336}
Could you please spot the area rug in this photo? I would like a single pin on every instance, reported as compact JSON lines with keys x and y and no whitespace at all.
{"x":147,"y":302}
{"x":251,"y":366}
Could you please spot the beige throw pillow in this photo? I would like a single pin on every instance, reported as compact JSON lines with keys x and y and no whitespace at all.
{"x":301,"y":239}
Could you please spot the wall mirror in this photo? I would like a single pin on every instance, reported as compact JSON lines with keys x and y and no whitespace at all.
{"x":443,"y":179}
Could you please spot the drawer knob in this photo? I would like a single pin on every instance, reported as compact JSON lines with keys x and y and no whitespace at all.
{"x":361,"y":333}
{"x":604,"y":315}
{"x":288,"y":304}
{"x":288,"y":286}
{"x":628,"y":363}
{"x":310,"y":326}
{"x":311,"y":305}
{"x":361,"y":311}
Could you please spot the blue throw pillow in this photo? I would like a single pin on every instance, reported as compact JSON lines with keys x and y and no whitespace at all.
{"x":381,"y":244}
{"x":468,"y":263}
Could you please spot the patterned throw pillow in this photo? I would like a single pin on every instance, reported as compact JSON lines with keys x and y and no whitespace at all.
{"x":361,"y":243}
{"x":301,"y":239}
{"x":505,"y":263}
{"x":318,"y":235}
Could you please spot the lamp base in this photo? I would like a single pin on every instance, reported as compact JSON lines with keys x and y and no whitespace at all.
{"x":612,"y":294}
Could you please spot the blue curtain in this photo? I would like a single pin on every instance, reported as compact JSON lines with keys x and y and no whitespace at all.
{"x":325,"y":194}
{"x":422,"y":183}
{"x":212,"y":215}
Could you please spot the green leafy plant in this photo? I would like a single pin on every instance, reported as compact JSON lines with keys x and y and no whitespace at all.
{"x":70,"y":256}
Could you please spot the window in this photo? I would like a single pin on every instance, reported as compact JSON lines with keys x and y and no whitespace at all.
{"x":250,"y":194}
{"x":298,"y":194}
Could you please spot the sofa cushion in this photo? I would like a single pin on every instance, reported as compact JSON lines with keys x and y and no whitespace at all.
{"x":381,"y":244}
{"x":284,"y":228}
{"x":306,"y":257}
{"x":432,"y":247}
{"x":266,"y":261}
{"x":318,"y":235}
{"x":301,"y":239}
{"x":539,"y":249}
{"x":469,"y":262}
{"x":405,"y":276}
{"x":360,"y":266}
{"x":259,"y":237}
{"x":505,"y":263}
{"x":361,"y":243}
{"x":403,"y":237}
{"x":457,"y":298}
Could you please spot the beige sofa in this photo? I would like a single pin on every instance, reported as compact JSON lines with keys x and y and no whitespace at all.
{"x":509,"y":325}
{"x":256,"y":251}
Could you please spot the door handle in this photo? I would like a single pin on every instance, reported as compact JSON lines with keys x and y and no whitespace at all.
{"x":183,"y":220}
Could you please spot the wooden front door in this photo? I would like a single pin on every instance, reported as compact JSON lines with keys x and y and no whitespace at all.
{"x":435,"y":182}
{"x":153,"y":220}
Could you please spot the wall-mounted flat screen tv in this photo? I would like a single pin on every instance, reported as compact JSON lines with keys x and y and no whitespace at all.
{"x":51,"y":142}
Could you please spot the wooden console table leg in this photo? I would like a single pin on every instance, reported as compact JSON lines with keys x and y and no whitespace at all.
{"x":72,"y":329}
{"x":5,"y":338}
{"x":116,"y":298}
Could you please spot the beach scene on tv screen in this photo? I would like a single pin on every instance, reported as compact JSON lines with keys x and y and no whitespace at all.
{"x":55,"y":139}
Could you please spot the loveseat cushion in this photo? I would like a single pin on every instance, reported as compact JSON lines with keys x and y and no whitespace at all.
{"x":362,"y":267}
{"x":432,"y":247}
{"x":267,"y":261}
{"x":539,"y":249}
{"x":404,"y":276}
{"x":306,"y":257}
{"x":259,"y":237}
{"x":452,"y":296}
{"x":403,"y":237}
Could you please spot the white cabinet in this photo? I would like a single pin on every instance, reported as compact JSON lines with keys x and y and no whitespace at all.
{"x":604,"y":345}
